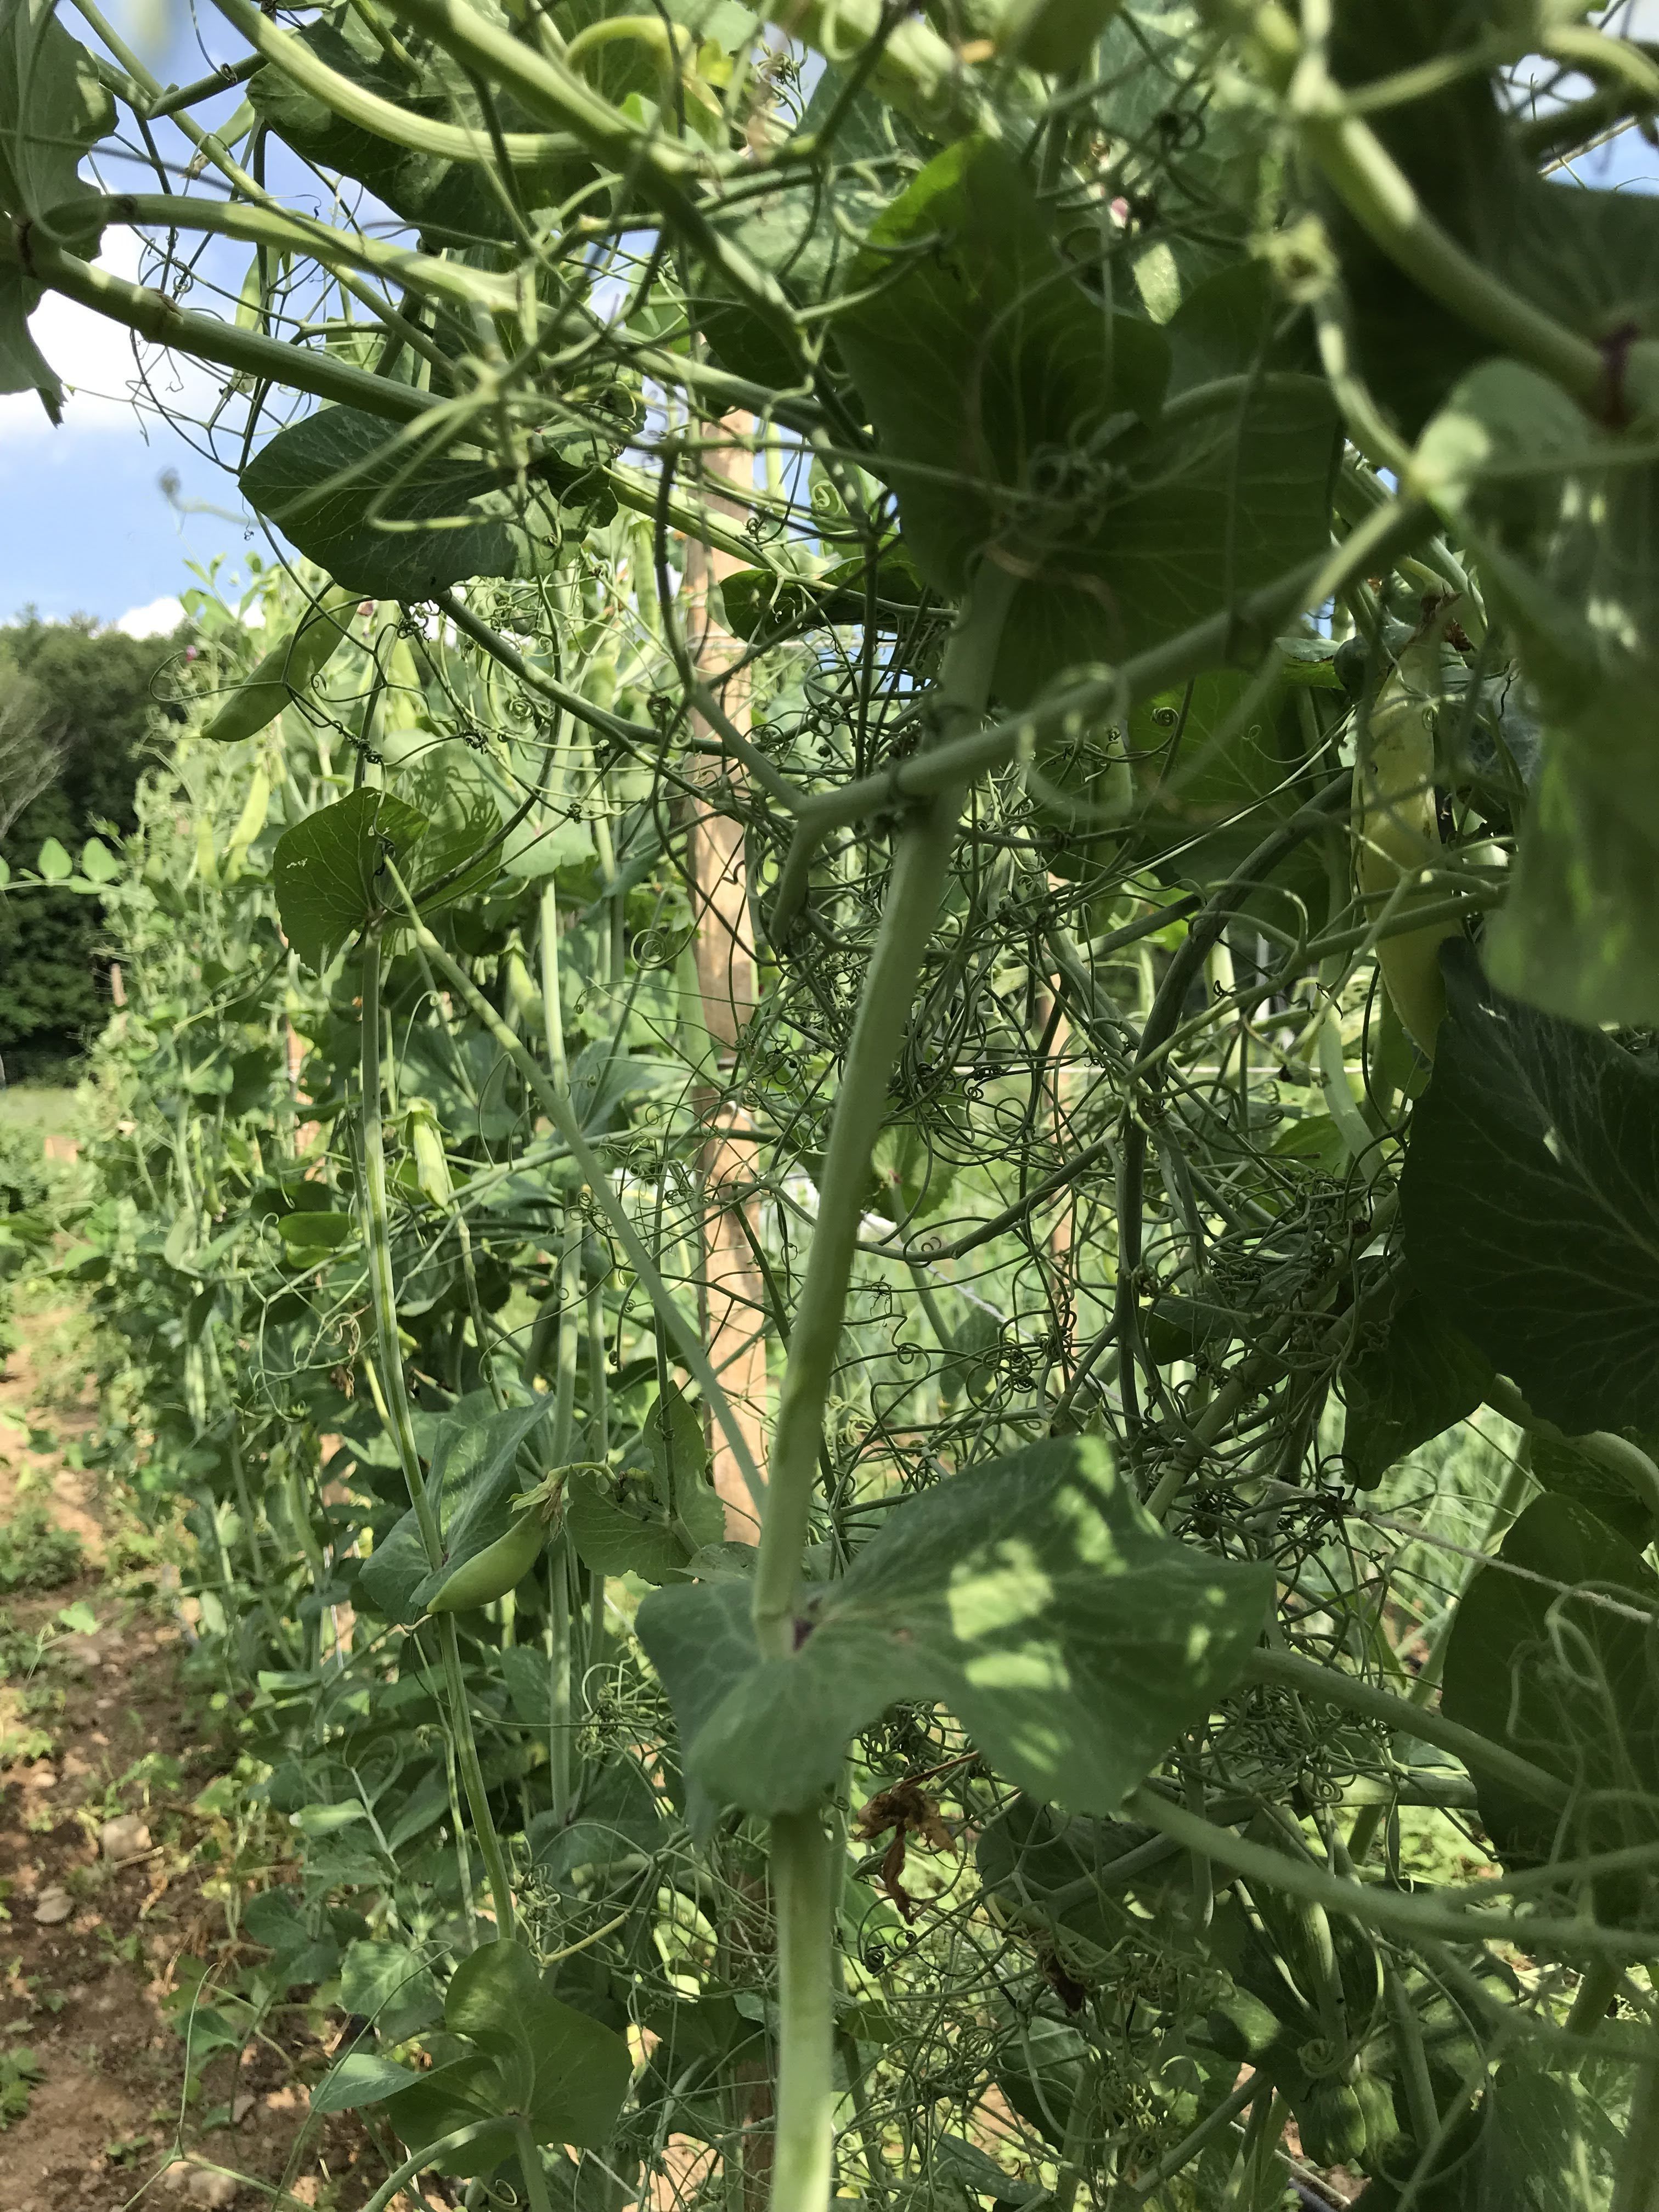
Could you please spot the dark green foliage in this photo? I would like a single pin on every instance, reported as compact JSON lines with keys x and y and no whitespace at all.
{"x":98,"y":693}
{"x":1530,"y":1202}
{"x":918,"y":1076}
{"x":1568,"y":1680}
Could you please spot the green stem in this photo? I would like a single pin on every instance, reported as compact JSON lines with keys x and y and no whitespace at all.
{"x":535,"y":2178}
{"x":1412,"y":2059}
{"x":378,"y":1242}
{"x":879,"y":1030}
{"x":599,"y":1422}
{"x":1255,"y":2155}
{"x":1374,"y":1904}
{"x":920,"y":861}
{"x":552,"y":1005}
{"x":1596,"y":1991}
{"x":1284,"y":1670}
{"x":564,"y":1402}
{"x":292,"y":232}
{"x":803,"y":1903}
{"x":389,"y":120}
{"x":1636,"y":2189}
{"x":801,"y":1876}
{"x":401,"y":2176}
{"x":1243,"y":2094}
{"x":155,"y":316}
{"x":474,"y":1309}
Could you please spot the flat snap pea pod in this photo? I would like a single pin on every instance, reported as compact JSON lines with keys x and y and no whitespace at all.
{"x":500,"y":1567}
{"x":1399,"y":835}
{"x":298,"y":656}
{"x":431,"y":1164}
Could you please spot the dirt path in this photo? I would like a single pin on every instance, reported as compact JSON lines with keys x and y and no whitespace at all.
{"x":115,"y":1868}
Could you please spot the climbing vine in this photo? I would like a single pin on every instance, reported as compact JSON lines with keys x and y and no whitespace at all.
{"x":882,"y":1173}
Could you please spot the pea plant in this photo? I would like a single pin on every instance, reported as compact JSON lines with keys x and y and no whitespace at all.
{"x":882,"y":1174}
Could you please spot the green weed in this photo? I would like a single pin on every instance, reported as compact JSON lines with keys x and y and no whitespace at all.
{"x":36,"y":1553}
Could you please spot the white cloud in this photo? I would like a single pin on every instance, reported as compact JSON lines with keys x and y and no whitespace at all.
{"x":153,"y":620}
{"x":94,"y":361}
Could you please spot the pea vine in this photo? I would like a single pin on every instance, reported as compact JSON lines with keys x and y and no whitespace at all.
{"x":883,"y":1173}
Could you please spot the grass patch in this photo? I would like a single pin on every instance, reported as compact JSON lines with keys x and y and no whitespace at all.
{"x":36,"y":1553}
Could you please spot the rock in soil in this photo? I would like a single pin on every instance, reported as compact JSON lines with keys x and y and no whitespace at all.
{"x":126,"y":1836}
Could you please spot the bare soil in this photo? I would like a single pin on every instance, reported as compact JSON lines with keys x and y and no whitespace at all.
{"x":95,"y":1950}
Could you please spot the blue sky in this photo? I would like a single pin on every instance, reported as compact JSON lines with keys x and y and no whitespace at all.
{"x":87,"y":527}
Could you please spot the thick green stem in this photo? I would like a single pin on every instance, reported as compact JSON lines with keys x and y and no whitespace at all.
{"x":1636,"y":2189}
{"x":377,"y":1241}
{"x":1373,"y":1904}
{"x":535,"y":2179}
{"x":552,"y":1005}
{"x":803,"y":1893}
{"x":800,"y":1876}
{"x":920,"y":864}
{"x":879,"y":1032}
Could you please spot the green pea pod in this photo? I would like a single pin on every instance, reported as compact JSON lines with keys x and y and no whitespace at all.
{"x":288,"y":667}
{"x":1331,"y":2121}
{"x":1399,"y":835}
{"x":426,"y":1144}
{"x":1053,"y":34}
{"x":523,"y":997}
{"x":500,"y":1567}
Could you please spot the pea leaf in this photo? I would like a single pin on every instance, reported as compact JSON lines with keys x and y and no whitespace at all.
{"x":473,"y":1480}
{"x":1530,"y":1203}
{"x":651,"y":1520}
{"x":1072,"y":1639}
{"x":1566,"y":1470}
{"x":439,"y":195}
{"x":451,"y":2096}
{"x":568,"y":2072}
{"x":620,"y":1529}
{"x":1014,"y":411}
{"x":390,"y":1984}
{"x":679,"y":1457}
{"x":325,"y":869}
{"x":984,"y":352}
{"x":1565,"y":1681}
{"x":1409,"y":1377}
{"x":389,"y":516}
{"x":53,"y":109}
{"x":1216,"y":762}
{"x":361,"y":2078}
{"x":305,"y":1236}
{"x":23,"y":367}
{"x":395,"y":1570}
{"x":1567,"y":538}
{"x":620,"y":1815}
{"x":1575,"y":931}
